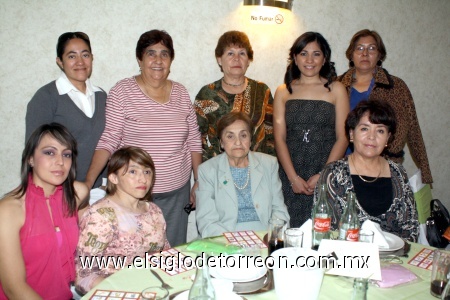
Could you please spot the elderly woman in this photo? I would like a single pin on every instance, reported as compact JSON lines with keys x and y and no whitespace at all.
{"x":309,"y":115}
{"x":72,"y":100}
{"x":381,"y":186}
{"x":234,"y":92}
{"x":156,"y":114}
{"x":123,"y":224}
{"x":366,"y":80}
{"x":239,"y":189}
{"x":38,"y":219}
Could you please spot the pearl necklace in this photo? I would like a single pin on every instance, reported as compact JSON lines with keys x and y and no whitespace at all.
{"x":365,"y":180}
{"x":246,"y":182}
{"x":231,"y":84}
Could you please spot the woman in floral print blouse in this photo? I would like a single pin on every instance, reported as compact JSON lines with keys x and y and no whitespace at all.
{"x":235,"y":92}
{"x":124,"y":224}
{"x":381,"y":185}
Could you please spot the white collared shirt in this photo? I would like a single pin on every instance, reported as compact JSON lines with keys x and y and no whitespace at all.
{"x":85,"y":102}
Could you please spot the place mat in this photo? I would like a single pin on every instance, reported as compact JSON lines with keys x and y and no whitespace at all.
{"x":247,"y":238}
{"x":114,"y":295}
{"x":176,"y":261}
{"x":423,"y":259}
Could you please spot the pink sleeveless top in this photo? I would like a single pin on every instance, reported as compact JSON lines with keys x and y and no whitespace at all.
{"x":48,"y":254}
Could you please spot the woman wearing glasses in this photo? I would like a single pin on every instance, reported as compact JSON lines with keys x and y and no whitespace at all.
{"x":366,"y":80}
{"x":72,"y":100}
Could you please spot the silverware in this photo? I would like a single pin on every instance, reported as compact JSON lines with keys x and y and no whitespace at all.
{"x":164,"y":285}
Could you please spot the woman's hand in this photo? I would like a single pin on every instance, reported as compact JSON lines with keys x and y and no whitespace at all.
{"x":192,"y":198}
{"x":300,"y":186}
{"x":312,"y":181}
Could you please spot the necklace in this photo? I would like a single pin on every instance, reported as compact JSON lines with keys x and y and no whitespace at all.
{"x":365,"y":180}
{"x":246,"y":182}
{"x":231,"y":84}
{"x":161,"y":99}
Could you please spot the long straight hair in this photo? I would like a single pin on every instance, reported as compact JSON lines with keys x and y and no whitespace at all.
{"x":63,"y":136}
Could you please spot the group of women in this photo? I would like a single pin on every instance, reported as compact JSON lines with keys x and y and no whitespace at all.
{"x":147,"y":138}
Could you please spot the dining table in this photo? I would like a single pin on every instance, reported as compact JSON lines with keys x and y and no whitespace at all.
{"x":333,"y":287}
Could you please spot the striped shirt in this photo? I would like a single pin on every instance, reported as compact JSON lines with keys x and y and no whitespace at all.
{"x":168,"y":132}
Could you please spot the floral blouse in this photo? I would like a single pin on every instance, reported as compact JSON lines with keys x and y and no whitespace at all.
{"x":108,"y":232}
{"x":212,"y":103}
{"x":401,"y":217}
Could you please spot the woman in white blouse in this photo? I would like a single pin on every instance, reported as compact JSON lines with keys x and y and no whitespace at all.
{"x":72,"y":100}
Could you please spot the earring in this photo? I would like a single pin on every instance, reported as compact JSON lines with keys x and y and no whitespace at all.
{"x":351,"y":64}
{"x":385,"y":145}
{"x":351,"y":140}
{"x":379,"y":63}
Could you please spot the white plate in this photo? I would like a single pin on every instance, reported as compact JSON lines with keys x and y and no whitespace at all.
{"x":240,"y":272}
{"x":394,"y":242}
{"x":221,"y":296}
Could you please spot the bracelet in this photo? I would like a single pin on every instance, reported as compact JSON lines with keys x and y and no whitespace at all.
{"x":292,"y":182}
{"x":195,"y":180}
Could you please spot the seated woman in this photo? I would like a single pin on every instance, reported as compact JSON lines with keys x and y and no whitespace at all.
{"x":38,"y":221}
{"x":124,"y":223}
{"x":239,"y":189}
{"x":381,"y":186}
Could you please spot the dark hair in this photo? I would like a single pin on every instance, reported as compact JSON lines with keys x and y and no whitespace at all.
{"x":121,"y":158}
{"x":154,"y":37}
{"x":293,"y":72}
{"x":236,"y":38}
{"x":66,"y":37}
{"x":380,"y":112}
{"x":363,"y":33}
{"x":232,"y":117}
{"x":63,"y":136}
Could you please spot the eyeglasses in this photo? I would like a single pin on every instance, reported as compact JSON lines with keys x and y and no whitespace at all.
{"x":361,"y":49}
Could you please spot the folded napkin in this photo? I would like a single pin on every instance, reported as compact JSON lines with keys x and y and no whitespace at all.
{"x":307,"y":234}
{"x":213,"y":248}
{"x":96,"y":194}
{"x":378,"y":236}
{"x":222,"y":285}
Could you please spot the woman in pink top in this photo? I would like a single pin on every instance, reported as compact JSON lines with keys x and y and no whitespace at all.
{"x":124,"y":224}
{"x":38,"y":220}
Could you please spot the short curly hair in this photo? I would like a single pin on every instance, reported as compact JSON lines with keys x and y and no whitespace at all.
{"x":232,"y":117}
{"x":154,"y":37}
{"x":380,"y":112}
{"x":236,"y":38}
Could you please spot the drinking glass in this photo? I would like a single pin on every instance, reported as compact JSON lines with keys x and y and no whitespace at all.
{"x":155,"y":293}
{"x":366,"y":236}
{"x":293,"y":237}
{"x":275,"y":236}
{"x":439,"y":271}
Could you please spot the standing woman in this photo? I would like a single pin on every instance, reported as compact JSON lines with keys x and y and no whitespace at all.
{"x":367,"y":80}
{"x":234,"y":92}
{"x":156,"y":114}
{"x":309,"y":115}
{"x":38,"y":220}
{"x":72,"y":100}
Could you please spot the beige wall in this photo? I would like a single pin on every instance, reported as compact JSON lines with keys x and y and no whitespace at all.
{"x":415,"y":33}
